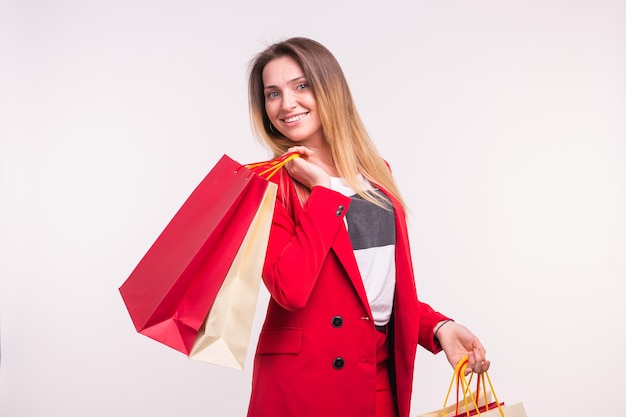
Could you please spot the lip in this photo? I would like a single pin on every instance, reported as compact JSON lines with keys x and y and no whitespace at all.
{"x":294,"y":118}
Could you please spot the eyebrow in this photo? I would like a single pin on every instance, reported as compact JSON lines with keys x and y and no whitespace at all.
{"x":302,"y":77}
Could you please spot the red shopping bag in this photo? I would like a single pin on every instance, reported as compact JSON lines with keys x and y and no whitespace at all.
{"x":171,"y":291}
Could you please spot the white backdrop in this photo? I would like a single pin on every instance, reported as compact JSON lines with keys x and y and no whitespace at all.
{"x":504,"y":123}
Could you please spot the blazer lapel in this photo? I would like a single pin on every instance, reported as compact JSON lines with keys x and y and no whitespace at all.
{"x":343,"y":249}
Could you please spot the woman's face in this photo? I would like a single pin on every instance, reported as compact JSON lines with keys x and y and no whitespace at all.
{"x":290,"y":103}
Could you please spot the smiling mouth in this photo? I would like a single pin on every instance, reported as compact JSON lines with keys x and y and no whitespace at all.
{"x":295,"y":118}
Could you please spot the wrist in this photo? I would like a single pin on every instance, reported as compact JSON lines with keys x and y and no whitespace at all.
{"x":438,"y":327}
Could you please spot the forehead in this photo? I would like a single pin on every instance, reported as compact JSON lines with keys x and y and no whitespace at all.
{"x":282,"y":70}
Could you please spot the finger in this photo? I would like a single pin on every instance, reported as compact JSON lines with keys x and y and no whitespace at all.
{"x":482,"y":366}
{"x":479,"y":354}
{"x":477,"y":361}
{"x":302,"y":150}
{"x":473,"y":361}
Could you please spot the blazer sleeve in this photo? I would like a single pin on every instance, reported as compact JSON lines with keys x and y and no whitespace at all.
{"x":428,"y":320}
{"x":297,"y":248}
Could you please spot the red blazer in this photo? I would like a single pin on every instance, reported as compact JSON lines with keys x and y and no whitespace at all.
{"x":318,"y":312}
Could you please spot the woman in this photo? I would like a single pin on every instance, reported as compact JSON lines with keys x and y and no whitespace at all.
{"x":344,"y":321}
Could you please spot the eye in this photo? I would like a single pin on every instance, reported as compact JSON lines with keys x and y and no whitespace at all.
{"x":302,"y":86}
{"x":272,"y":94}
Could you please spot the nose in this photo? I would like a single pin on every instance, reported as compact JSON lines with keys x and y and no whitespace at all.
{"x":289,"y":101}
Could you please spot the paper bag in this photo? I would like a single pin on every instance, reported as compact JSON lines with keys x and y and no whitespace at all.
{"x":514,"y":410}
{"x":451,"y":410}
{"x":171,"y":290}
{"x":196,"y":288}
{"x":475,"y":403}
{"x":224,"y":336}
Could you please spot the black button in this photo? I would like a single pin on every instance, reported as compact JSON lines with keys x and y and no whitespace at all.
{"x":338,"y":363}
{"x":337,"y":321}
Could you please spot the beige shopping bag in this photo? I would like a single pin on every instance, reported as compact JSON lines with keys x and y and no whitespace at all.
{"x":451,"y":410}
{"x":225,"y":334}
{"x":478,"y":403}
{"x":514,"y":410}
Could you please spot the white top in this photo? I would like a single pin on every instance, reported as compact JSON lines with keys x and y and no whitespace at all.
{"x":373,"y":235}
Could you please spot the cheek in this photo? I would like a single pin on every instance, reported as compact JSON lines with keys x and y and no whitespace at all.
{"x":270,"y":109}
{"x":309,"y":99}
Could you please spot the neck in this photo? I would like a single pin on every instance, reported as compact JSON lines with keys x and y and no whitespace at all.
{"x":323,"y":157}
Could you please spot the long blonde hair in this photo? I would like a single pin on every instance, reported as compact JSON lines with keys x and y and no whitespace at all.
{"x":352,"y":149}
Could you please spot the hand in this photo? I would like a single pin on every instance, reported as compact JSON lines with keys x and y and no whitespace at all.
{"x":457,"y":342}
{"x":305,"y":171}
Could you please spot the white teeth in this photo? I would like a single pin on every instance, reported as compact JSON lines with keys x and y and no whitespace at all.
{"x":295,"y":118}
